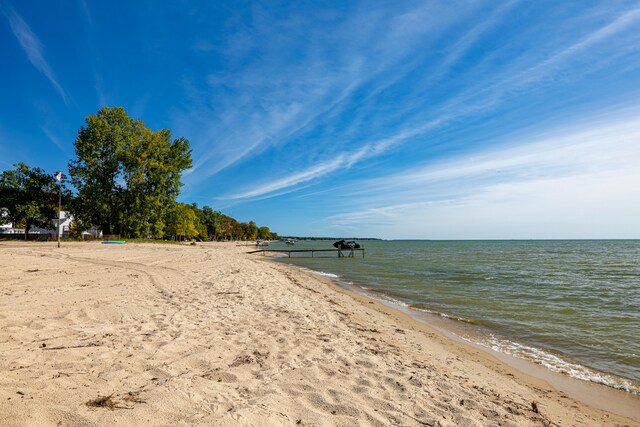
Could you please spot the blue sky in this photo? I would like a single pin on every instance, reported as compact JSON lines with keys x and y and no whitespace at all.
{"x":392,"y":119}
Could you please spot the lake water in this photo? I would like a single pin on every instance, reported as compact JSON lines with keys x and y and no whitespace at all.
{"x":572,"y":306}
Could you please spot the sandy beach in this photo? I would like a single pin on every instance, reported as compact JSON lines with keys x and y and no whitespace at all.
{"x":154,"y":334}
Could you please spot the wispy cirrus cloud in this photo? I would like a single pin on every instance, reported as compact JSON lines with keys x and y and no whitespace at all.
{"x":385,"y":113}
{"x":55,"y":139}
{"x":569,"y":207}
{"x":317,"y":171}
{"x":279,"y":99}
{"x":32,"y":47}
{"x":523,"y":74}
{"x":535,"y":69}
{"x":471,"y":38}
{"x":573,"y":170}
{"x":342,"y":162}
{"x":446,"y":113}
{"x":622,"y":22}
{"x":307,"y":111}
{"x":86,"y":12}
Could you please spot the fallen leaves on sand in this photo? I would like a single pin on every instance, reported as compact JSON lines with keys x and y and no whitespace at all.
{"x":102,"y":402}
{"x":134,"y":397}
{"x":110,"y":403}
{"x":246,"y":359}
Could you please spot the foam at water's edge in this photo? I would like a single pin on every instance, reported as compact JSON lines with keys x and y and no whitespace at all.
{"x":319,"y":273}
{"x":444,"y":315}
{"x":539,"y":356}
{"x":536,"y":355}
{"x":555,"y":363}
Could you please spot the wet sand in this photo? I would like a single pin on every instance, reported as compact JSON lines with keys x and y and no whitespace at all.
{"x":151,"y":334}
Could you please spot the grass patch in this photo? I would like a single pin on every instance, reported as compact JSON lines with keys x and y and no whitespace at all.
{"x":165,"y":242}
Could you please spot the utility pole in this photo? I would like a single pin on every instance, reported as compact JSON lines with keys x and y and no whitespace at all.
{"x":59,"y":179}
{"x":59,"y":212}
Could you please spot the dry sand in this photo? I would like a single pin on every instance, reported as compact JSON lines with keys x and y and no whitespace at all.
{"x":207,"y":335}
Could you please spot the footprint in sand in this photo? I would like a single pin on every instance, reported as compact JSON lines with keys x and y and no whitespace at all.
{"x":319,"y":402}
{"x":221,"y":377}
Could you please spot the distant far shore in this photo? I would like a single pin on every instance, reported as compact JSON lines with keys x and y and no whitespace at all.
{"x":329,"y":238}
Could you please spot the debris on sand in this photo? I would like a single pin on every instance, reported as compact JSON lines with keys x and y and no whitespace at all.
{"x":102,"y":402}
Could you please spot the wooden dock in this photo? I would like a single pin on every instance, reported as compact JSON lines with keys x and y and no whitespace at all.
{"x":341,"y":252}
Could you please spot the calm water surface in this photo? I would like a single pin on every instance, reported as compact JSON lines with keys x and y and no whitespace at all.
{"x":572,"y":306}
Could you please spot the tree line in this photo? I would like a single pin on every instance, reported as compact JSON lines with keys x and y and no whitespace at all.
{"x":126,"y":179}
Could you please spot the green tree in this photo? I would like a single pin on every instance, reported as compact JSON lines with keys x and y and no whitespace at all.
{"x":211,"y":219}
{"x":240,"y":231}
{"x":252,"y":231}
{"x":264,"y":233}
{"x":29,"y":197}
{"x":127,"y":175}
{"x":226,"y":227}
{"x":200,"y":223}
{"x":182,"y":221}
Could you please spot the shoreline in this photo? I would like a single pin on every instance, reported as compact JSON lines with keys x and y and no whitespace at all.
{"x":600,"y":396}
{"x":475,"y":332}
{"x":207,"y":334}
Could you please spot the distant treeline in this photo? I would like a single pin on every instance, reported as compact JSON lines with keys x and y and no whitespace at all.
{"x":329,"y":238}
{"x":126,"y":179}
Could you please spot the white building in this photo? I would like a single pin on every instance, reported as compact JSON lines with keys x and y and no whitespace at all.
{"x":63,"y":230}
{"x":8,"y":227}
{"x":65,"y":225}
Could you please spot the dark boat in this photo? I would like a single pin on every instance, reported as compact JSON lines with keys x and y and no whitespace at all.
{"x":343,"y":244}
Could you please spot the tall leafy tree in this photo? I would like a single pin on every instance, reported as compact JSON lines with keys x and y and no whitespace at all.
{"x":127,"y":175}
{"x":230,"y":227}
{"x":97,"y":172}
{"x":28,"y":197}
{"x":211,"y":219}
{"x":252,"y":231}
{"x":201,"y":222}
{"x":264,"y":233}
{"x":182,"y":221}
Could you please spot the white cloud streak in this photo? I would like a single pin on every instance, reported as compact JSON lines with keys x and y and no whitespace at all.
{"x":295,"y":179}
{"x":54,"y":138}
{"x":32,"y":47}
{"x":297,"y":97}
{"x":452,"y":110}
{"x":619,"y":24}
{"x":517,"y":77}
{"x":268,"y":109}
{"x":469,"y":39}
{"x":343,"y":162}
{"x":346,"y":160}
{"x":583,"y":176}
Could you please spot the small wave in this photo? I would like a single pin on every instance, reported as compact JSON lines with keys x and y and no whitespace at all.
{"x":387,"y":298}
{"x":557,"y":364}
{"x":445,"y":315}
{"x":324,"y":274}
{"x":319,"y":273}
